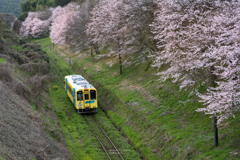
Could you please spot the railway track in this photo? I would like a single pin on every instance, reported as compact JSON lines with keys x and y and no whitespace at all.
{"x":54,"y":58}
{"x":105,"y":142}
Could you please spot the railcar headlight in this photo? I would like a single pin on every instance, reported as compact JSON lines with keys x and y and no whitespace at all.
{"x":79,"y":104}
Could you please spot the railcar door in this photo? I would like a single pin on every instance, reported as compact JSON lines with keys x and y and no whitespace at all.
{"x":80,"y":99}
{"x":86,"y":99}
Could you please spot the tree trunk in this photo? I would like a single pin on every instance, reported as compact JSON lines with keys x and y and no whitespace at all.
{"x":96,"y":48}
{"x":141,"y":50}
{"x":120,"y":58}
{"x":91,"y":53}
{"x":212,"y":76}
{"x":53,"y":45}
{"x":120,"y":63}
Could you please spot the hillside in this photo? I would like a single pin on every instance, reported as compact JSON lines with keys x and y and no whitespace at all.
{"x":158,"y":119}
{"x":28,"y":124}
{"x":11,"y":7}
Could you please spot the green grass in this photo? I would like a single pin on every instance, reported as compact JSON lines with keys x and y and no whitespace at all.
{"x":157,"y":118}
{"x":2,"y":60}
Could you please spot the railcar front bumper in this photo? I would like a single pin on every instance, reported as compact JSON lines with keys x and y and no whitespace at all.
{"x":89,"y":110}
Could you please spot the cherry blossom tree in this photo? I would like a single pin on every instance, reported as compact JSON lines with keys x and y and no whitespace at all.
{"x":60,"y":26}
{"x":124,"y":25}
{"x":36,"y":24}
{"x":224,"y":98}
{"x":79,"y":40}
{"x":139,"y":15}
{"x":185,"y":35}
{"x":69,"y":25}
{"x":197,"y":36}
{"x":106,"y":26}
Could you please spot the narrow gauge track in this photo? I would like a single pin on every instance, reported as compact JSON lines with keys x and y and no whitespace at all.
{"x":53,"y":57}
{"x":106,"y":143}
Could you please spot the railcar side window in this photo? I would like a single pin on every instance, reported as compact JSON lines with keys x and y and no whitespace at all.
{"x":93,"y":94}
{"x":70,"y":90}
{"x":79,"y":96}
{"x":86,"y":96}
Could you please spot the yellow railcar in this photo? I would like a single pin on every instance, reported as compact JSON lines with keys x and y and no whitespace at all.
{"x":82,"y":94}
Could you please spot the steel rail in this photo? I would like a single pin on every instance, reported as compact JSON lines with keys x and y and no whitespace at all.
{"x":58,"y":78}
{"x":61,"y":64}
{"x":97,"y":137}
{"x":108,"y":138}
{"x":57,"y":68}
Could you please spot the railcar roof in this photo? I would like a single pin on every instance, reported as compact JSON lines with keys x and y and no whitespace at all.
{"x":78,"y":82}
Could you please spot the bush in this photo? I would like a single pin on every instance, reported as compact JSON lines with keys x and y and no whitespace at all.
{"x":23,"y":91}
{"x":36,"y":68}
{"x":6,"y":73}
{"x":38,"y":83}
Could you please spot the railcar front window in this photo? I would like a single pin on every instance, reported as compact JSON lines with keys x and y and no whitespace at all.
{"x":93,"y":94}
{"x":79,"y":96}
{"x":86,"y":97}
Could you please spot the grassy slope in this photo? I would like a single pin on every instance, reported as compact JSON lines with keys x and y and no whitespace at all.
{"x":79,"y":137}
{"x":27,"y":122}
{"x":158,"y":119}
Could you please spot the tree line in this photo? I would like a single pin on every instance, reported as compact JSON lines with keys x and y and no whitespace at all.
{"x":11,"y":7}
{"x":197,"y":41}
{"x":40,"y":5}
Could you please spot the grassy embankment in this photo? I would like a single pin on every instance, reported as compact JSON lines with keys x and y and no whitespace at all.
{"x":22,"y":129}
{"x":158,"y":119}
{"x":79,"y":137}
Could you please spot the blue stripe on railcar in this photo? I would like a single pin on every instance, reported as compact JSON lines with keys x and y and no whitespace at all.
{"x":89,"y":102}
{"x":74,"y":97}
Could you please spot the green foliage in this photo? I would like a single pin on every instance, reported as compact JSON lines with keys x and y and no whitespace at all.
{"x":33,"y":6}
{"x":62,"y":2}
{"x":40,"y":5}
{"x":11,"y":7}
{"x":23,"y":16}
